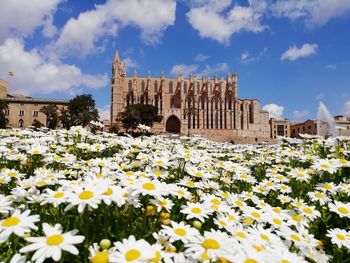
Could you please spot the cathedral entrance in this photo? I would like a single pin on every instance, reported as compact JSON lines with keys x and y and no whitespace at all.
{"x":173,"y":124}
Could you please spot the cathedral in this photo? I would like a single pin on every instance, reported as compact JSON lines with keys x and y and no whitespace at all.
{"x":207,"y":107}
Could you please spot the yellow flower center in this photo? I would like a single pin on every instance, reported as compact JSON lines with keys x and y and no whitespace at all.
{"x":256,"y":215}
{"x":132,"y":255}
{"x":250,"y":260}
{"x":159,"y":162}
{"x":100,"y":257}
{"x":180,"y":231}
{"x":319,"y":195}
{"x":54,"y":240}
{"x":343,"y":210}
{"x":265,"y":237}
{"x":276,"y":210}
{"x":12,"y":174}
{"x":36,"y":152}
{"x":85,"y":195}
{"x":223,"y":223}
{"x":198,"y":174}
{"x":108,"y":192}
{"x":216,"y":201}
{"x":11,"y":221}
{"x":340,"y":237}
{"x":58,"y":195}
{"x":277,"y":221}
{"x":325,"y":165}
{"x":239,"y":203}
{"x":158,"y":173}
{"x":241,"y":234}
{"x":285,"y":261}
{"x":297,"y":218}
{"x":148,"y":186}
{"x":210,"y":244}
{"x":328,"y":187}
{"x":196,"y":210}
{"x":307,"y":210}
{"x":295,"y":237}
{"x":180,"y":192}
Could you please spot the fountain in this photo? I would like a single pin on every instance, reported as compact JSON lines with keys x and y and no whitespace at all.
{"x":325,"y":122}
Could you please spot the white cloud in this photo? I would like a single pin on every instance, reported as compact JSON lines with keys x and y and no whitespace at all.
{"x":83,"y":33}
{"x":300,"y":115}
{"x":218,"y":68}
{"x":294,"y":53}
{"x":201,"y":57}
{"x":130,"y":63}
{"x":184,"y":69}
{"x":331,"y":67}
{"x":196,"y":70}
{"x":246,"y":58}
{"x":20,"y":18}
{"x":347,"y":109}
{"x":315,"y":12}
{"x":104,"y":112}
{"x":33,"y":73}
{"x":211,"y":20}
{"x":275,"y":111}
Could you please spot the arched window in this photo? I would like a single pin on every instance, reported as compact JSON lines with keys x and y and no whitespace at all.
{"x":130,"y":86}
{"x":185,"y":87}
{"x":155,"y":86}
{"x":142,"y":86}
{"x":20,"y":123}
{"x":170,"y":87}
{"x":197,"y":84}
{"x":210,"y":88}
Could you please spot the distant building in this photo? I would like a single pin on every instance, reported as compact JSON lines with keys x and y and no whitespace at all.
{"x":279,"y":128}
{"x":342,"y":125}
{"x":24,"y":111}
{"x":219,"y":113}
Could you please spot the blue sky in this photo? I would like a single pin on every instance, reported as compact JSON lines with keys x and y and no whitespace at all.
{"x":289,"y":54}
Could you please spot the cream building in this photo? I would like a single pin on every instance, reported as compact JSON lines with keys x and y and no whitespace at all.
{"x":220,"y":114}
{"x":23,"y":111}
{"x":342,"y":127}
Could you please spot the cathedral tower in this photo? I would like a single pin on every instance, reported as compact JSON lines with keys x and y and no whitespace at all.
{"x":118,"y":79}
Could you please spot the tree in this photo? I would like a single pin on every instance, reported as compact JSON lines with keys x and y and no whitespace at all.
{"x":64,"y":117}
{"x":82,"y":110}
{"x":139,"y":114}
{"x":3,"y":107}
{"x":37,"y":124}
{"x":51,"y":113}
{"x":130,"y":118}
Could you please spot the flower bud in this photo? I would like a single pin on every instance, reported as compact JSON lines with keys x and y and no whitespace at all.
{"x":105,"y":243}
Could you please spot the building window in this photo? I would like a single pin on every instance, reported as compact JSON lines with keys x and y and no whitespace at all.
{"x":170,"y":87}
{"x":7,"y":112}
{"x":197,"y":85}
{"x":36,"y":113}
{"x":155,"y":86}
{"x":21,"y":113}
{"x":185,"y":87}
{"x":36,"y":105}
{"x":142,"y":86}
{"x":20,"y":123}
{"x":130,"y":86}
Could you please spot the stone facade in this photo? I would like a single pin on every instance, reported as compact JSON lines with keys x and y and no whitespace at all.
{"x":280,"y":128}
{"x":23,"y":111}
{"x":219,"y":114}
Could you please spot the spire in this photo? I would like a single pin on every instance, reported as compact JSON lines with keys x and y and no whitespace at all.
{"x":116,"y":56}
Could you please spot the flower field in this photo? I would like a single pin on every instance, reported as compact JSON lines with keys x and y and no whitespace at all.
{"x":74,"y":196}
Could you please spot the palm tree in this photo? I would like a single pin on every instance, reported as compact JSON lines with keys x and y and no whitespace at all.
{"x":3,"y":106}
{"x":130,"y":118}
{"x":51,"y":115}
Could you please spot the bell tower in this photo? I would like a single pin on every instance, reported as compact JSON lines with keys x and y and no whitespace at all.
{"x":118,"y":82}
